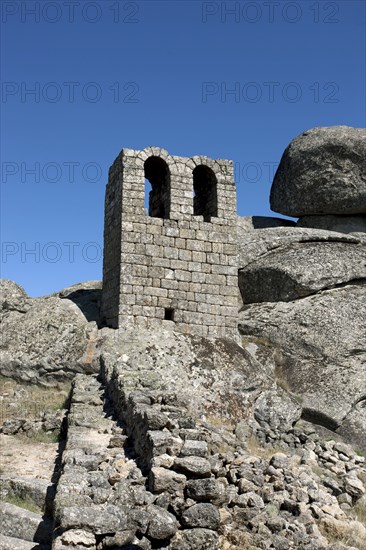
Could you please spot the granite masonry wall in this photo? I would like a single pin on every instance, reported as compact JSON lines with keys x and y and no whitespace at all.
{"x":175,"y":263}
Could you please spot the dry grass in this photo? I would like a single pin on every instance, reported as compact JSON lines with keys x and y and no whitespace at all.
{"x":236,"y":541}
{"x":255,"y":448}
{"x":19,"y":400}
{"x":220,"y":422}
{"x":361,"y":474}
{"x":359,"y":512}
{"x":23,"y":502}
{"x":39,"y":437}
{"x":350,"y":533}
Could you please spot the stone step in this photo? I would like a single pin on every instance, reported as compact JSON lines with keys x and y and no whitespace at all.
{"x":39,"y":491}
{"x":19,"y":523}
{"x":10,"y":543}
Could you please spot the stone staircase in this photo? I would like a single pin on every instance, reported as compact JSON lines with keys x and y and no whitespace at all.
{"x":139,"y":479}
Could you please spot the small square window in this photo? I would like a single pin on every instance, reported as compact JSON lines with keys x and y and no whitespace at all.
{"x":169,"y":314}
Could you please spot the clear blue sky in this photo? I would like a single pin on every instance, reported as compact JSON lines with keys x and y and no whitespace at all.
{"x":111,"y":74}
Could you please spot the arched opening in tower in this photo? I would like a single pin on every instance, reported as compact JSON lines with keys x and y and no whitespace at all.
{"x":204,"y":192}
{"x":157,"y":187}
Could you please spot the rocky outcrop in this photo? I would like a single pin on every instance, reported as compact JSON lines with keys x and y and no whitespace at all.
{"x":250,"y":223}
{"x":303,"y":315}
{"x":320,"y":352}
{"x":87,"y":296}
{"x":297,"y":270}
{"x":44,"y":340}
{"x":303,"y":288}
{"x":322,"y":171}
{"x":217,"y":378}
{"x":13,"y":297}
{"x":343,"y":224}
{"x":255,"y":244}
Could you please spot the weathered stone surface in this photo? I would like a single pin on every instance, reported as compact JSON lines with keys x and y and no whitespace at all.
{"x":353,"y":425}
{"x":98,"y":519}
{"x":202,"y":515}
{"x":162,"y":525}
{"x":249,"y":500}
{"x":13,"y":297}
{"x":194,"y":539}
{"x":320,"y":351}
{"x":299,"y":269}
{"x":193,"y":466}
{"x":76,"y":538}
{"x":40,"y":491}
{"x":255,"y":244}
{"x":204,"y":489}
{"x":322,"y":171}
{"x":162,"y":479}
{"x":342,"y":224}
{"x":254,"y":495}
{"x":22,"y":524}
{"x":203,"y":375}
{"x":11,"y":543}
{"x":251,"y":223}
{"x":87,"y":296}
{"x":47,"y":343}
{"x":354,"y":486}
{"x":276,"y":410}
{"x":194,"y":448}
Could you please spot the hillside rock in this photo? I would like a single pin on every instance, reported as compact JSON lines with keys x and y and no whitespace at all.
{"x":255,"y":244}
{"x":13,"y":297}
{"x":251,"y":223}
{"x":320,"y":352}
{"x":44,"y":340}
{"x":211,"y":377}
{"x":87,"y":296}
{"x":300,"y":269}
{"x":322,"y":171}
{"x":342,"y":224}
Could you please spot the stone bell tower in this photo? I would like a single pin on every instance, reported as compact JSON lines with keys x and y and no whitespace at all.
{"x":175,"y":264}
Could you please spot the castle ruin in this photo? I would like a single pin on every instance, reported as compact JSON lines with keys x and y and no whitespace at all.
{"x":177,"y":263}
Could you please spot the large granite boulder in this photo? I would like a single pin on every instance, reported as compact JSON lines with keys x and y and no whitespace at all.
{"x":44,"y":340}
{"x":319,"y":345}
{"x":299,"y":269}
{"x":255,"y":244}
{"x":87,"y":296}
{"x":322,"y":171}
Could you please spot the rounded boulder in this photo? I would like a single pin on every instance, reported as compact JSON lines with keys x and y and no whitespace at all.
{"x":322,"y":171}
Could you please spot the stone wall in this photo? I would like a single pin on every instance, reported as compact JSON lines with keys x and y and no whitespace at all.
{"x":180,"y":268}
